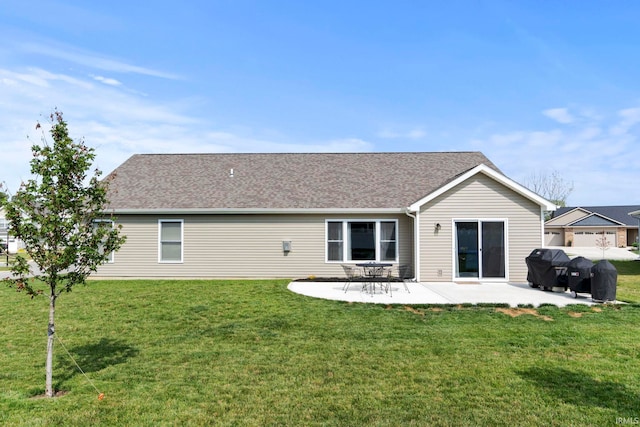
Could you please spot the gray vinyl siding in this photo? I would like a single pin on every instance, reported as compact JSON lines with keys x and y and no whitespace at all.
{"x":480,"y":197}
{"x":240,"y":246}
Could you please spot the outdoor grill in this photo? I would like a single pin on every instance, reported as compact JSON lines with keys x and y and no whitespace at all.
{"x":579,"y":275}
{"x":547,"y":269}
{"x":604,"y":277}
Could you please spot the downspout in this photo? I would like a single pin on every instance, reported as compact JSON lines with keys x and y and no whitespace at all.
{"x":542,"y":221}
{"x":416,"y":243}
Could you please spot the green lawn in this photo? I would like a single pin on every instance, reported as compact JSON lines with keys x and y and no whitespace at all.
{"x":252,"y":353}
{"x":4,"y":266}
{"x":628,"y":280}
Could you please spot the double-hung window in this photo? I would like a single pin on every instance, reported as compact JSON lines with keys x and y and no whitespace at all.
{"x":170,"y":247}
{"x":361,"y":240}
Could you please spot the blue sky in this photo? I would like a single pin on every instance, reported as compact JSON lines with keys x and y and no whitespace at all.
{"x":537,"y":86}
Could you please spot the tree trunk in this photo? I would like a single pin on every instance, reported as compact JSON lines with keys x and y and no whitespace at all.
{"x":49,"y":392}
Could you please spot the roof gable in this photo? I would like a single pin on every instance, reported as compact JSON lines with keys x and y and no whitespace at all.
{"x":284,"y":181}
{"x":491,"y":173}
{"x":565,"y":216}
{"x":595,"y":220}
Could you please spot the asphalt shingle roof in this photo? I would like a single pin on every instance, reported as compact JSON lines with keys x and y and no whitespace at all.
{"x":284,"y":181}
{"x":617,"y":213}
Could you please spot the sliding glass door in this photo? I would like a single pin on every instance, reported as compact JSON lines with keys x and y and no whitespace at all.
{"x":480,"y":249}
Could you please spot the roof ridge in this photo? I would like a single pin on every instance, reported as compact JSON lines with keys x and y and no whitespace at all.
{"x":320,"y":153}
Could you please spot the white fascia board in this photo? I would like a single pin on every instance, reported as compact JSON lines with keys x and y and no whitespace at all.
{"x":484,"y":169}
{"x":255,"y":211}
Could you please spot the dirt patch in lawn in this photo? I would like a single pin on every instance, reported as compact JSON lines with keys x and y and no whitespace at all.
{"x":422,"y":311}
{"x":519,"y":311}
{"x":580,"y":314}
{"x":413,"y":310}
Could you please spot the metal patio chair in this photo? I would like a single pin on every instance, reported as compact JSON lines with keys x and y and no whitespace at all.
{"x":354,"y":274}
{"x":404,"y":274}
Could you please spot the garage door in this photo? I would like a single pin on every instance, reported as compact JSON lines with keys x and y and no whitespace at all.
{"x":553,"y":238}
{"x":594,"y":238}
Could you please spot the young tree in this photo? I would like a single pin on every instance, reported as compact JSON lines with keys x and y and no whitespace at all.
{"x":603,"y":243}
{"x":59,"y":214}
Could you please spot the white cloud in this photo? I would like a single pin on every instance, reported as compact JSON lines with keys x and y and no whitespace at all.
{"x":107,"y":81}
{"x":560,"y":115}
{"x":590,"y":132}
{"x":118,"y":123}
{"x":507,"y":139}
{"x":415,"y":133}
{"x":229,"y":142}
{"x":602,"y":165}
{"x":89,"y":59}
{"x":629,"y":118}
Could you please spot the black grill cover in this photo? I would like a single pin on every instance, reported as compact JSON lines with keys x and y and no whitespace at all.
{"x":579,"y":274}
{"x":541,"y":265}
{"x":603,"y":281}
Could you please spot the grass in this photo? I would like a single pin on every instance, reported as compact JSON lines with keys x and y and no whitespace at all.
{"x":628,"y":288}
{"x":5,"y":261}
{"x":253,"y":353}
{"x":4,"y":265}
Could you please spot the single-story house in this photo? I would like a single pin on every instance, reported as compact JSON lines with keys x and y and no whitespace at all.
{"x":448,"y":216}
{"x":4,"y":230}
{"x":636,"y":214}
{"x":591,"y":225}
{"x":7,"y":241}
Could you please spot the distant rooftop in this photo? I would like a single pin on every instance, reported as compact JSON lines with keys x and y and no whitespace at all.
{"x":617,"y":213}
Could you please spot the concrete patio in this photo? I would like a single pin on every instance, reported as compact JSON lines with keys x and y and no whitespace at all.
{"x":513,"y":294}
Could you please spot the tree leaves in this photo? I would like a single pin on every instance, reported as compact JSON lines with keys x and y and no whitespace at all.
{"x":56,"y":211}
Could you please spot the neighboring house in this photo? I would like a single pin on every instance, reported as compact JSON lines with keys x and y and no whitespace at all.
{"x":588,"y":225}
{"x":7,"y":242}
{"x":448,"y":216}
{"x":4,"y":233}
{"x":636,"y":215}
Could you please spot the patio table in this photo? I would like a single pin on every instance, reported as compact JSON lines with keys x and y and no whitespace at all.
{"x":375,"y":273}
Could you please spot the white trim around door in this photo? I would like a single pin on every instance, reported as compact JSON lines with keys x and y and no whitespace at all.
{"x":480,"y":249}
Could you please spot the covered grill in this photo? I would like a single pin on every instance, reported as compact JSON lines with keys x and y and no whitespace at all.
{"x":579,"y":275}
{"x":546,"y":268}
{"x":604,"y":278}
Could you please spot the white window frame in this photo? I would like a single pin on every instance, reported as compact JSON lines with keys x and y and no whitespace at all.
{"x":112,"y":257}
{"x":454,"y":251}
{"x":346,"y":240}
{"x":327,"y":240}
{"x":160,"y":241}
